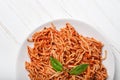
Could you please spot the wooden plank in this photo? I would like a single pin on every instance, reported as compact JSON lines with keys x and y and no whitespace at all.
{"x":111,"y":8}
{"x":8,"y":56}
{"x":53,"y":8}
{"x":12,"y":24}
{"x":30,"y":13}
{"x":75,"y":10}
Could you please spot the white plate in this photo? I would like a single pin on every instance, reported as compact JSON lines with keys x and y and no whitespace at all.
{"x":82,"y":28}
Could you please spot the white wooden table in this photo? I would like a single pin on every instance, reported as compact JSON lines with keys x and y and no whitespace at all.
{"x":19,"y":17}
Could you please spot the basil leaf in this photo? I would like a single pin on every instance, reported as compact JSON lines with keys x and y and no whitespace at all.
{"x":56,"y":64}
{"x":78,"y":69}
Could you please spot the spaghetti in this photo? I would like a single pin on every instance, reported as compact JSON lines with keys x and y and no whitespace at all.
{"x":68,"y":47}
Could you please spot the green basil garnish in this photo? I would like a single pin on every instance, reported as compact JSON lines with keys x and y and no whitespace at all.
{"x":78,"y":69}
{"x":56,"y":64}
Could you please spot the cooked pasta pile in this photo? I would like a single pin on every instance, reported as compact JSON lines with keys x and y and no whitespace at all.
{"x":68,"y":47}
